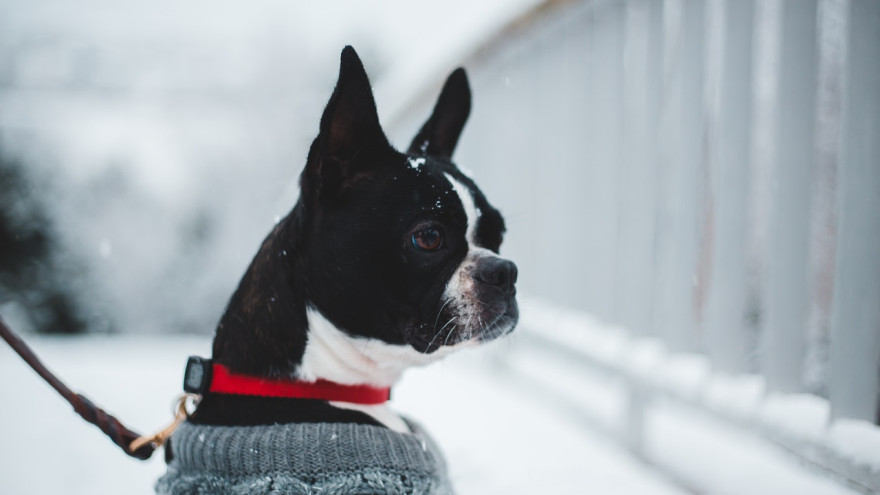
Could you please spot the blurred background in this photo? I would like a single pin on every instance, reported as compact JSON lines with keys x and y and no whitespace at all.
{"x":692,"y":192}
{"x":147,"y":147}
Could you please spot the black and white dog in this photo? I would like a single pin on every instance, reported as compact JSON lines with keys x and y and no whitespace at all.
{"x":388,"y":260}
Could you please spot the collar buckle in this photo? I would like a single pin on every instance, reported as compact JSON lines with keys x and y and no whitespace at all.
{"x":197,"y":377}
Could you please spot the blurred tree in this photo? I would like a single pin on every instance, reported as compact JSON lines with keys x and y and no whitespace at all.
{"x":28,"y":275}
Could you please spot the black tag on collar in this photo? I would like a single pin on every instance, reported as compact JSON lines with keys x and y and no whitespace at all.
{"x":197,"y":377}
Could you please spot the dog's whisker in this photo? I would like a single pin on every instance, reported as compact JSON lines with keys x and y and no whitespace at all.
{"x":432,"y":340}
{"x":467,"y":326}
{"x":440,"y":332}
{"x":447,"y":323}
{"x":436,"y":320}
{"x":451,"y":331}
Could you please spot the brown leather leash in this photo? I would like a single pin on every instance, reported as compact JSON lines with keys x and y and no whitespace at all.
{"x":132,"y":443}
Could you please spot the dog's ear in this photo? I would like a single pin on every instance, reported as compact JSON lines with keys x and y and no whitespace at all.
{"x":350,"y":138}
{"x":440,"y":133}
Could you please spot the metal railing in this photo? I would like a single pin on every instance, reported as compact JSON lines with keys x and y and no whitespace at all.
{"x":704,"y":175}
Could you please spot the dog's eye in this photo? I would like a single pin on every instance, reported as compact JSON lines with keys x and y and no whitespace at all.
{"x":427,"y":239}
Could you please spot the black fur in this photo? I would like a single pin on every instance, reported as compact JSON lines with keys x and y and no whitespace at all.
{"x":440,"y":133}
{"x":243,"y":410}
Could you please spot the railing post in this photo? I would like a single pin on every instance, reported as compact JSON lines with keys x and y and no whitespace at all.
{"x":728,"y":156}
{"x":635,"y":237}
{"x":831,"y":39}
{"x":634,"y":422}
{"x":765,"y":68}
{"x":679,"y":211}
{"x":855,"y":321}
{"x":605,"y":135}
{"x":784,"y":329}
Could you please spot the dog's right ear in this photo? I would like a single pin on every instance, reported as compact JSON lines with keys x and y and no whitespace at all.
{"x":440,"y":133}
{"x":350,"y":137}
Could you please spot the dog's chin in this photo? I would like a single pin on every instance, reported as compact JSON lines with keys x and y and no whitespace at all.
{"x":503,"y":324}
{"x":495,"y":320}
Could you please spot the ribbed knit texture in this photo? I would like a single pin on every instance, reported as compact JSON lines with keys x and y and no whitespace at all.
{"x":307,"y":458}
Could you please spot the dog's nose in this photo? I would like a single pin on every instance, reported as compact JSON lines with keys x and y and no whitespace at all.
{"x":499,"y":273}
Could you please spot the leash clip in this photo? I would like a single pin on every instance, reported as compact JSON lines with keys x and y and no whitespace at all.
{"x":186,"y":403}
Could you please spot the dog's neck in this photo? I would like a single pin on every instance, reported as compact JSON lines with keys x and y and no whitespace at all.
{"x":263,"y":330}
{"x":333,"y":355}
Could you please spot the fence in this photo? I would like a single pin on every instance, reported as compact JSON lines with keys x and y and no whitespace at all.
{"x":704,"y":177}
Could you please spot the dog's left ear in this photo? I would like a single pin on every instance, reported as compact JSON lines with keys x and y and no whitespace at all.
{"x":350,"y":121}
{"x":440,"y":133}
{"x":350,"y":138}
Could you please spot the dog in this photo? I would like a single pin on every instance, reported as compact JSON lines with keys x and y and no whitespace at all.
{"x":388,"y":260}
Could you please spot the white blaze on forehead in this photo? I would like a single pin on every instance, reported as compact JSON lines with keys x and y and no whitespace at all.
{"x":470,"y":209}
{"x":461,"y":289}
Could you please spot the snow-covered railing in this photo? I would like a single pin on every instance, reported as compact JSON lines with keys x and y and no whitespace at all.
{"x":643,"y":371}
{"x":703,"y":174}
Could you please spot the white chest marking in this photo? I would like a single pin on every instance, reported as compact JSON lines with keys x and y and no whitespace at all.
{"x":334,"y":355}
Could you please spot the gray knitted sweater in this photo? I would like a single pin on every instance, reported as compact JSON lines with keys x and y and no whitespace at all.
{"x":306,"y":458}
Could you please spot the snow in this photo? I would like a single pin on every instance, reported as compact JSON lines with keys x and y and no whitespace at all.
{"x":736,"y":396}
{"x":799,"y":415}
{"x":645,"y":356}
{"x":504,"y":441}
{"x":713,"y":457}
{"x":686,"y":375}
{"x":856,"y":440}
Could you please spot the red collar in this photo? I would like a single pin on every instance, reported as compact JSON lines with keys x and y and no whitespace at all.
{"x":224,"y":381}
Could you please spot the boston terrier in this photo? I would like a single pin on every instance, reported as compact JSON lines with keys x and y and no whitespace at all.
{"x":388,"y":260}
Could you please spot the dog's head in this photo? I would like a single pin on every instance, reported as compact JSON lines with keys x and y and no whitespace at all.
{"x":394,"y":253}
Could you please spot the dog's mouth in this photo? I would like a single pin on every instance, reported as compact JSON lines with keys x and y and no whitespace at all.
{"x":503,"y":324}
{"x":459,"y":324}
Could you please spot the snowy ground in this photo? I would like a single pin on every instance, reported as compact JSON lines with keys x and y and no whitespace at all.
{"x":499,"y":434}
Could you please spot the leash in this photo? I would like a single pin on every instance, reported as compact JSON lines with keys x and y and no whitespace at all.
{"x":132,"y":443}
